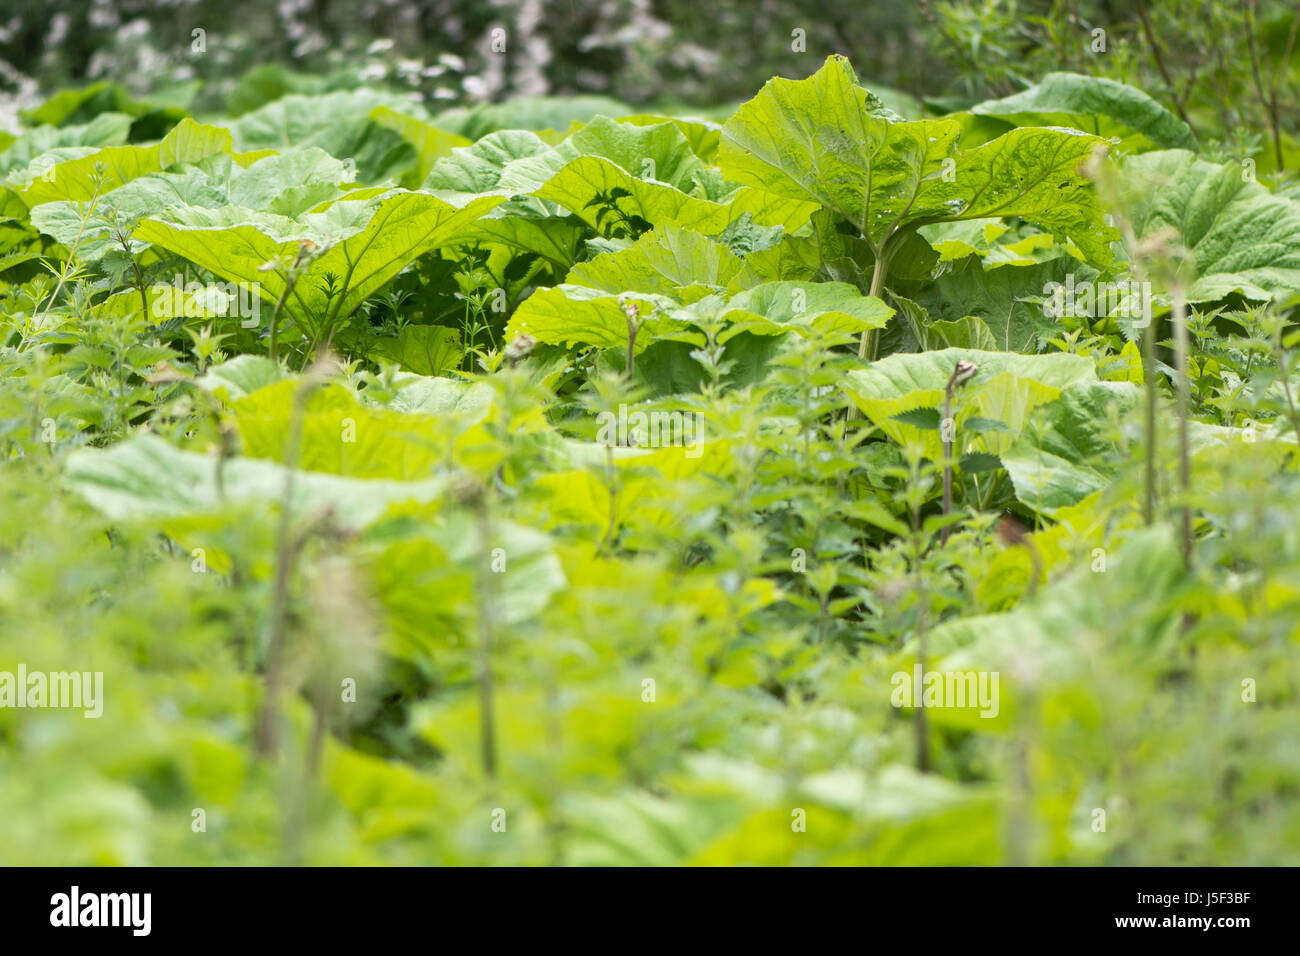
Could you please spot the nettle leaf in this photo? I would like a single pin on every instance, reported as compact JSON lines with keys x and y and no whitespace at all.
{"x":978,"y":462}
{"x":1094,"y":105}
{"x":827,"y":139}
{"x":1242,"y":239}
{"x":977,"y":424}
{"x":1005,"y":389}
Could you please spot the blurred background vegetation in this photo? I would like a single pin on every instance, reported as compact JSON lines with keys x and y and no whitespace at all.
{"x":1230,"y":70}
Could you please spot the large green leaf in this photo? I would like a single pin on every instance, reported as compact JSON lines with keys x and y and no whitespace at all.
{"x":285,"y":185}
{"x":579,"y":315}
{"x":340,"y":436}
{"x":430,"y":143}
{"x":664,"y":262}
{"x":69,"y":173}
{"x":147,"y":478}
{"x":527,"y":224}
{"x":528,"y":113}
{"x":1094,"y":105}
{"x":827,"y":139}
{"x":1240,"y":237}
{"x":338,"y":123}
{"x":774,"y":308}
{"x":580,"y":186}
{"x":1009,"y":299}
{"x":1068,"y":452}
{"x":106,"y":129}
{"x":428,"y":579}
{"x":1005,"y":388}
{"x":365,"y":244}
{"x":646,"y":171}
{"x":659,"y":152}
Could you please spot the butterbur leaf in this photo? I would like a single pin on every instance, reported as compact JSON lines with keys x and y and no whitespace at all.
{"x":422,"y":349}
{"x":478,"y":168}
{"x":147,"y":478}
{"x":430,"y":143}
{"x":1007,"y":303}
{"x":659,"y":153}
{"x":804,"y":307}
{"x":827,"y":139}
{"x":1006,"y":388}
{"x":339,"y":123}
{"x":106,"y":129}
{"x":571,"y":315}
{"x":1069,"y":452}
{"x":1032,"y":173}
{"x":662,"y":262}
{"x":1094,"y":105}
{"x":1241,"y":238}
{"x":970,"y":332}
{"x":56,"y":176}
{"x":366,"y":243}
{"x":538,"y":113}
{"x":587,"y":177}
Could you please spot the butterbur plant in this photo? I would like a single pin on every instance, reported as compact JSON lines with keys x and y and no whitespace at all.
{"x":588,"y":482}
{"x":829,"y":140}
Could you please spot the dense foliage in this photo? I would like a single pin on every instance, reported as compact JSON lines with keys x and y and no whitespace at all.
{"x":530,"y":484}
